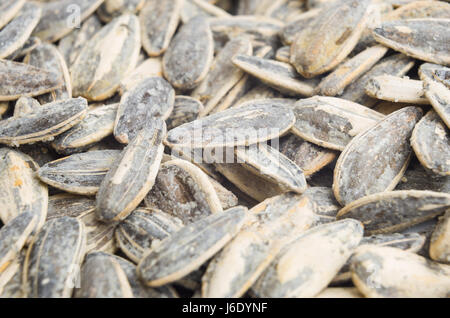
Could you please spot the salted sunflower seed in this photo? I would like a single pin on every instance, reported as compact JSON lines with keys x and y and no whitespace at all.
{"x":142,"y":228}
{"x":8,"y":9}
{"x":397,"y":65}
{"x":183,"y":191}
{"x":309,"y":157}
{"x":393,"y":211}
{"x":98,"y":124}
{"x":430,"y":141}
{"x":330,"y":37}
{"x":46,"y":56}
{"x":396,"y":89}
{"x":15,"y":34}
{"x":57,"y":21}
{"x":439,"y":246}
{"x":19,"y":79}
{"x":391,"y":272}
{"x":237,"y":124}
{"x":437,"y":90}
{"x":100,"y":236}
{"x":132,"y":175}
{"x":363,"y":169}
{"x":43,"y":123}
{"x":424,"y":39}
{"x":103,"y":277}
{"x":193,"y":42}
{"x":159,"y":20}
{"x":79,"y":173}
{"x":332,"y":122}
{"x":192,"y":8}
{"x":153,"y":97}
{"x":299,"y":270}
{"x":223,"y":76}
{"x":185,"y":110}
{"x":51,"y":263}
{"x":106,"y":58}
{"x":278,"y":75}
{"x":346,"y":73}
{"x":20,"y":190}
{"x":240,"y":263}
{"x":187,"y":249}
{"x":111,"y":9}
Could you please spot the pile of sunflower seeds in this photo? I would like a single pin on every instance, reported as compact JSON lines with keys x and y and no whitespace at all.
{"x":224,"y":148}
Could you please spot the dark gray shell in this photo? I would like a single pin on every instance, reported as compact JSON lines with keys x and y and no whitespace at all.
{"x":278,"y":75}
{"x":193,"y":43}
{"x":153,"y":97}
{"x":159,"y":21}
{"x":102,"y":277}
{"x":58,"y":17}
{"x":187,"y":249}
{"x":424,"y":39}
{"x":43,"y":123}
{"x":8,"y":9}
{"x":106,"y":59}
{"x":98,"y":124}
{"x":417,"y":177}
{"x":19,"y":79}
{"x":364,"y":169}
{"x":142,"y":228}
{"x":431,"y":143}
{"x":79,"y":173}
{"x":29,"y":46}
{"x":393,"y":211}
{"x":53,"y":259}
{"x":239,"y":125}
{"x":185,"y":110}
{"x":15,"y":34}
{"x":184,"y":191}
{"x":132,"y":175}
{"x":308,"y":156}
{"x":332,"y":122}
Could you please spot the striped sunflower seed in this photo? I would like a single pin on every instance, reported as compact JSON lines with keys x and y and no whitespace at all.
{"x":132,"y":175}
{"x":185,"y":110}
{"x":323,"y":204}
{"x":11,"y":279}
{"x":396,"y":89}
{"x":439,"y":246}
{"x":53,"y":257}
{"x":192,"y":8}
{"x":363,"y":169}
{"x":290,"y":30}
{"x":187,"y":249}
{"x":148,"y":68}
{"x":9,"y":9}
{"x":417,"y":177}
{"x":393,"y":211}
{"x":111,"y":9}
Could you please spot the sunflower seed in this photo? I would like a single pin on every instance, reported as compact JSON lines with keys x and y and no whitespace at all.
{"x":240,"y":125}
{"x":397,"y":65}
{"x":9,"y":9}
{"x":102,"y":277}
{"x":153,"y":97}
{"x":53,"y":257}
{"x":19,"y":79}
{"x":430,"y":141}
{"x":11,"y":278}
{"x":20,"y":190}
{"x":158,"y":24}
{"x":299,"y":270}
{"x":57,"y":18}
{"x":396,"y":89}
{"x":185,"y":110}
{"x":183,"y":191}
{"x":111,"y":9}
{"x":388,"y":161}
{"x":192,"y":8}
{"x":149,"y":68}
{"x":424,"y":39}
{"x":437,"y":92}
{"x":15,"y":34}
{"x":417,"y":177}
{"x":223,"y":74}
{"x":332,"y":122}
{"x":106,"y":58}
{"x":419,"y":10}
{"x":283,"y":54}
{"x":237,"y":267}
{"x":390,"y":272}
{"x":393,"y":211}
{"x":43,"y":123}
{"x":253,"y":7}
{"x":24,"y":106}
{"x":327,"y":40}
{"x":439,"y":246}
{"x":290,"y":30}
{"x":89,"y":28}
{"x":142,"y":228}
{"x":193,"y":42}
{"x":187,"y":249}
{"x":132,"y":175}
{"x":227,"y":198}
{"x":230,"y":27}
{"x":335,"y":83}
{"x":322,"y":203}
{"x":278,"y":75}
